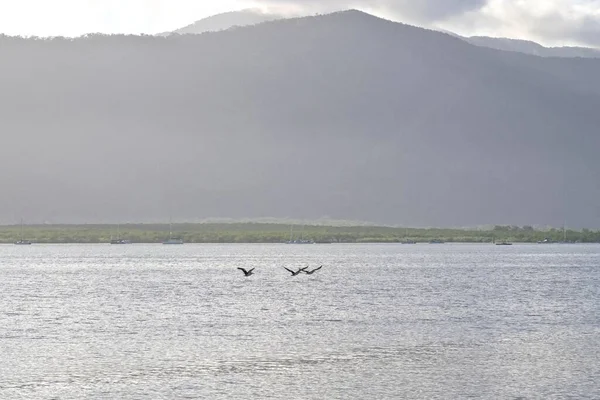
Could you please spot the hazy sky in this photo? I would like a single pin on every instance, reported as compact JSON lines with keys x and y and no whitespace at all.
{"x":552,"y":22}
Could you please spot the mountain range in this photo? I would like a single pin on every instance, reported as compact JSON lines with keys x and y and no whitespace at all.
{"x":250,"y":17}
{"x":342,"y":115}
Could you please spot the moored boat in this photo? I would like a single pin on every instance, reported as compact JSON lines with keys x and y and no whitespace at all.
{"x":171,"y":239}
{"x":119,"y":240}
{"x":21,"y":241}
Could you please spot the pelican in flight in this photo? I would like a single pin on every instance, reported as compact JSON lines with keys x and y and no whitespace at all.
{"x":313,"y":271}
{"x":246,"y":273}
{"x":297,"y":272}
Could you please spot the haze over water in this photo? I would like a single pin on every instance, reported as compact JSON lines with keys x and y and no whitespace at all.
{"x":378,"y":321}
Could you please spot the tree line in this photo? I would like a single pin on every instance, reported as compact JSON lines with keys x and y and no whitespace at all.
{"x":280,"y":233}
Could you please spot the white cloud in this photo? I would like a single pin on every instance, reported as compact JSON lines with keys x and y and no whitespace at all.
{"x":416,"y":10}
{"x":556,"y":22}
{"x":77,"y":17}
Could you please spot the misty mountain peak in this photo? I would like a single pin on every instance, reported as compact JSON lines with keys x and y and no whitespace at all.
{"x":224,"y":21}
{"x":532,"y":48}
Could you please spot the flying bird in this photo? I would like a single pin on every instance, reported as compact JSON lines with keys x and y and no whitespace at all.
{"x":297,"y":272}
{"x":313,"y":271}
{"x":247,"y":273}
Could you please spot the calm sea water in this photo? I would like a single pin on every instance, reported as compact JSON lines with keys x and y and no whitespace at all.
{"x":377,"y":322}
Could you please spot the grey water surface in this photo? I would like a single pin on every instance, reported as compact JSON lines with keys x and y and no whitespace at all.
{"x":377,"y":322}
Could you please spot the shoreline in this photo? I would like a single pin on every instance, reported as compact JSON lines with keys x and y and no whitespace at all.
{"x":269,"y":233}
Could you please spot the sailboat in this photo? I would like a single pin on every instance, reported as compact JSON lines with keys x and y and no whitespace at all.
{"x":406,"y":239}
{"x":171,"y":239}
{"x":118,"y":240}
{"x":21,"y":241}
{"x":301,"y":240}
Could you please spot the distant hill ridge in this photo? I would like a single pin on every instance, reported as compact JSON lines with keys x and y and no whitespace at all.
{"x":225,"y":21}
{"x":533,"y":48}
{"x":249,"y":17}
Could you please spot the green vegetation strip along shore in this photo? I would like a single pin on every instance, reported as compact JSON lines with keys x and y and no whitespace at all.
{"x":279,"y":233}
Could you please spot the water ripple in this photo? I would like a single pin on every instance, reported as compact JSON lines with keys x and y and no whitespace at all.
{"x":379,"y":321}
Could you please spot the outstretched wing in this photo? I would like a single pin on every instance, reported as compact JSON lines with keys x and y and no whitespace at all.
{"x":243,"y":270}
{"x":303,"y":269}
{"x":250,"y":270}
{"x":289,"y":270}
{"x":316,"y":269}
